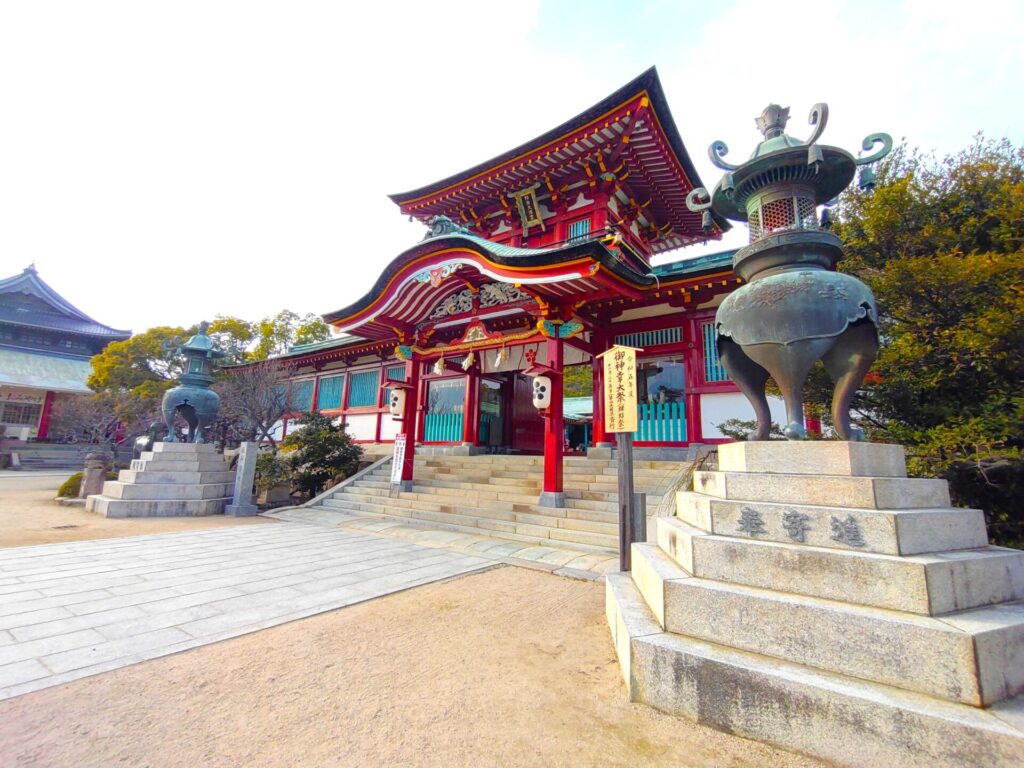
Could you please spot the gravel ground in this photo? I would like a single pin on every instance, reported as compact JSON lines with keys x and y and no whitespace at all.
{"x":507,"y":667}
{"x":29,"y":515}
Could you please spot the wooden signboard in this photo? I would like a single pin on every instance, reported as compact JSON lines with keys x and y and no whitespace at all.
{"x":620,"y":389}
{"x":399,"y":458}
{"x":620,"y":399}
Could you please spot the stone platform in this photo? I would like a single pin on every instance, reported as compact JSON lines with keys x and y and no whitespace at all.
{"x":812,"y":596}
{"x":172,"y":480}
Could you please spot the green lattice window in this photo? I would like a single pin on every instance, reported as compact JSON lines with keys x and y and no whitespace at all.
{"x":364,"y":389}
{"x":329,"y":395}
{"x":713,"y":369}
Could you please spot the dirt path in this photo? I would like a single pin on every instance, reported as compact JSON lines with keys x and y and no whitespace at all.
{"x":29,"y":515}
{"x":509,"y":667}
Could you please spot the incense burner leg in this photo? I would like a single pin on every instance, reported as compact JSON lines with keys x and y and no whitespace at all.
{"x":789,"y":365}
{"x":750,"y":378}
{"x":169,"y":421}
{"x":847,"y":363}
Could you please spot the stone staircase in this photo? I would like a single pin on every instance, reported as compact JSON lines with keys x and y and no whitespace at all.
{"x":812,"y":596}
{"x":174,"y":479}
{"x":496,"y":496}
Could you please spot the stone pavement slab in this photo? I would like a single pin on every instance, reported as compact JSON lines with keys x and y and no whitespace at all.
{"x":571,"y":562}
{"x":80,"y":608}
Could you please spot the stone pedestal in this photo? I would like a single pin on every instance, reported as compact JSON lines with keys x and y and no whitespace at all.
{"x":245,"y":474}
{"x":172,"y":480}
{"x":812,"y":596}
{"x":94,"y":474}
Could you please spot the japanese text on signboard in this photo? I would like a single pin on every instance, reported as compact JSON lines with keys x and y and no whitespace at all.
{"x":620,"y":389}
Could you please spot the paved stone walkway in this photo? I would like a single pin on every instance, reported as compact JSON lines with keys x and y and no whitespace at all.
{"x":76,"y":609}
{"x":563,"y":561}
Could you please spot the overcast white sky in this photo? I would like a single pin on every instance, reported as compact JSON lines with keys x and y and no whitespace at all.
{"x":162,"y":163}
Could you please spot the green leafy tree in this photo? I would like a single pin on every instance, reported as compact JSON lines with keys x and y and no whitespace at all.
{"x":579,"y":381}
{"x":941,"y":244}
{"x":319,"y":451}
{"x":275,"y":335}
{"x":132,"y":375}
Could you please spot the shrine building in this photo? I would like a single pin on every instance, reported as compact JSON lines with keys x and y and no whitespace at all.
{"x":540,"y":256}
{"x":45,"y":347}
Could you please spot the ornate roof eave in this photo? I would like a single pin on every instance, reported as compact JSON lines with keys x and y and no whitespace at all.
{"x":648,"y":83}
{"x":29,"y":283}
{"x":498,"y":262}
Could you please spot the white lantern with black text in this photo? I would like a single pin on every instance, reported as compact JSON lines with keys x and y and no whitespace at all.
{"x":541,"y":392}
{"x":396,"y":403}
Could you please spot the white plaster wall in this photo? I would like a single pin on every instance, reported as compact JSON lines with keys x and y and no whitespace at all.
{"x":389,"y":427}
{"x":362,"y":426}
{"x":718,"y":407}
{"x":277,"y":430}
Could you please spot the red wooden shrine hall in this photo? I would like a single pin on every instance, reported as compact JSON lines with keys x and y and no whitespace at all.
{"x":539,"y":257}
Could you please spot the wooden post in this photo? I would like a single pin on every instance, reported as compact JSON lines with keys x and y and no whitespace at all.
{"x":624,"y":442}
{"x":620,"y":413}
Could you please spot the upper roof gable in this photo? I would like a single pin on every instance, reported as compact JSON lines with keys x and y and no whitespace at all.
{"x":70,"y":318}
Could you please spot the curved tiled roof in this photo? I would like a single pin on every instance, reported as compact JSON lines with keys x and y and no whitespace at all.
{"x":58,"y":315}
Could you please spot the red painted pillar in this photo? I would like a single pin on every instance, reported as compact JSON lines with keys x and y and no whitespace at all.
{"x":600,"y":344}
{"x":410,"y":414}
{"x":345,"y":387}
{"x":471,"y":417}
{"x":554,"y":433}
{"x":44,"y":419}
{"x":694,"y":382}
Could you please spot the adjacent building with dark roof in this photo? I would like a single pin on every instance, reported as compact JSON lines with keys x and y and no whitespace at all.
{"x":45,"y":347}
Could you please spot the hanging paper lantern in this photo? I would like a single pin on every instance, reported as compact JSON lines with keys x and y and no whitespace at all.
{"x":541,"y":392}
{"x":396,"y":403}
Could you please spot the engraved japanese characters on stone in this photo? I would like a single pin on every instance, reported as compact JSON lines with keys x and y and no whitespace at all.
{"x":751,"y":522}
{"x":796,"y":525}
{"x":847,"y":532}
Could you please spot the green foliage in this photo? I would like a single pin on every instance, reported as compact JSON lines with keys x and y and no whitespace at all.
{"x":319,"y":452}
{"x":272,"y":470}
{"x":130,"y":377}
{"x":70,"y":487}
{"x":274,"y":335}
{"x":738,"y":429}
{"x":578,"y":381}
{"x":941,"y":244}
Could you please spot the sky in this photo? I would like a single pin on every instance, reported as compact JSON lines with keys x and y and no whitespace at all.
{"x":164,"y":163}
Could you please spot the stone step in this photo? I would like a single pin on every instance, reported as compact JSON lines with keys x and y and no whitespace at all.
{"x":522,"y":532}
{"x":169,"y":456}
{"x":597,"y":506}
{"x":562,"y":524}
{"x":157,"y":491}
{"x":966,"y":657}
{"x":826,"y":491}
{"x":186,"y":448}
{"x":886,"y":531}
{"x":927,"y":584}
{"x":211,"y":464}
{"x":845,"y":721}
{"x":153,"y":476}
{"x":817,"y":457}
{"x":612,"y":496}
{"x":109,"y":507}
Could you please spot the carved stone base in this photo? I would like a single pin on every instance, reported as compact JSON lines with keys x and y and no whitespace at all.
{"x":852,"y":615}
